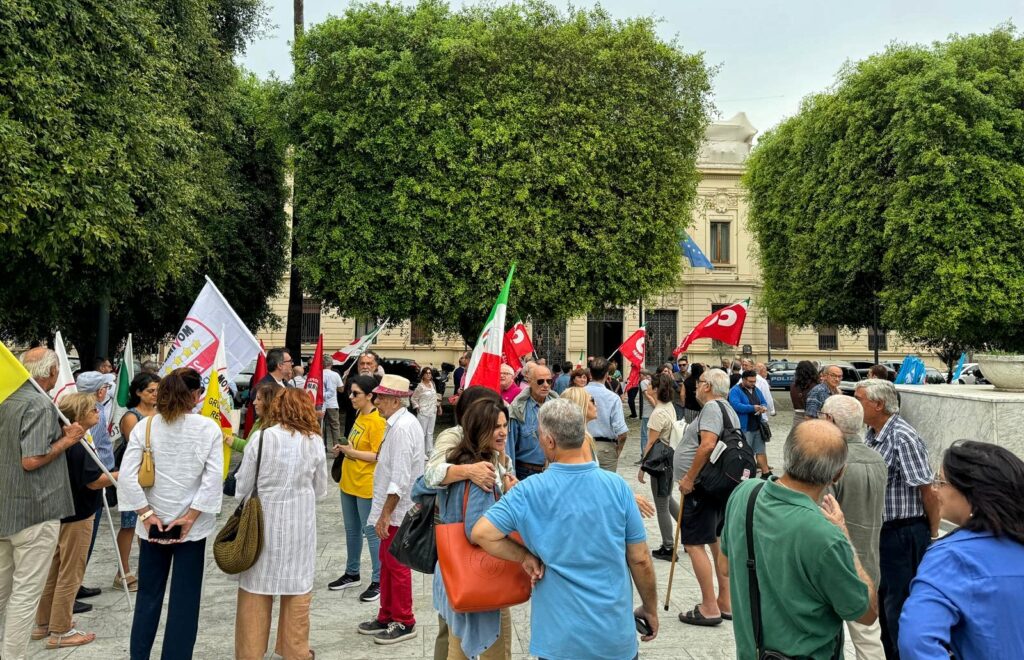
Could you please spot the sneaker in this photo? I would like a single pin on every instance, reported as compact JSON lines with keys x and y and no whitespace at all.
{"x":663,"y":553}
{"x":396,"y":632}
{"x":372,"y":627}
{"x":371,"y":594}
{"x":344,"y":582}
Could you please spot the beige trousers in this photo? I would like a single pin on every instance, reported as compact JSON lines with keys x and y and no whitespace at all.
{"x":501,"y":649}
{"x":607,"y":455}
{"x":252,"y":626}
{"x":66,"y":572}
{"x":867,"y":640}
{"x":24,"y":561}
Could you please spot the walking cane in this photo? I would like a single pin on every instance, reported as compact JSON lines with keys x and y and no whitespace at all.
{"x":675,"y":549}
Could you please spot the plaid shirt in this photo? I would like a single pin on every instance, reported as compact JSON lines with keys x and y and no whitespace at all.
{"x":816,"y":399}
{"x":906,"y":456}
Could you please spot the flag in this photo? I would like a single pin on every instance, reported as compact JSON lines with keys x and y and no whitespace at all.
{"x":582,"y":363}
{"x":315,"y":374}
{"x":125,"y":374}
{"x":519,"y":339}
{"x":960,"y":366}
{"x":485,"y":363}
{"x":725,"y":325}
{"x":65,"y":377}
{"x":634,"y":377}
{"x":12,"y":373}
{"x":694,"y":254}
{"x":508,"y":353}
{"x":195,"y":344}
{"x":634,"y":348}
{"x":216,"y":405}
{"x":257,"y":376}
{"x":360,"y":345}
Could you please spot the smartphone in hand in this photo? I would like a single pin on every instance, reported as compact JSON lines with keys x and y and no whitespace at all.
{"x":172,"y":534}
{"x":642,"y":626}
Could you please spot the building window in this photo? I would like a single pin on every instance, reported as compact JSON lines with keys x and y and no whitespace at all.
{"x":719,"y":242}
{"x":364,"y":327}
{"x":828,"y":339}
{"x":661,"y":337}
{"x":881,"y":339}
{"x":778,"y":336}
{"x":310,"y":327}
{"x":420,"y":332}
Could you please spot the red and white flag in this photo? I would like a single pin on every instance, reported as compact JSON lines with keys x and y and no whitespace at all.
{"x":360,"y":345}
{"x":485,"y":363}
{"x":508,"y":354}
{"x":634,"y":348}
{"x":65,"y":380}
{"x":725,"y":325}
{"x":515,"y":345}
{"x":315,"y":374}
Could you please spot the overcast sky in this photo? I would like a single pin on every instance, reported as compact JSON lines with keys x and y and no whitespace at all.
{"x":771,"y":53}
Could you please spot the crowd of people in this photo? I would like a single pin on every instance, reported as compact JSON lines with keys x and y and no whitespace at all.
{"x":845,"y":535}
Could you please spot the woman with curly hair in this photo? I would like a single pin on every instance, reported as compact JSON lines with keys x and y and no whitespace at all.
{"x":804,"y":379}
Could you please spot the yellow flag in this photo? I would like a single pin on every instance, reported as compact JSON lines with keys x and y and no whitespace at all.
{"x":12,"y":373}
{"x":211,"y":409}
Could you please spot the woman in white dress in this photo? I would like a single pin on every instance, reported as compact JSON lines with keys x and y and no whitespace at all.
{"x":427,"y":407}
{"x":292,"y":476}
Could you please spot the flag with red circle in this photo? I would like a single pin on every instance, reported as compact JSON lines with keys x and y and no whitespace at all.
{"x":725,"y":325}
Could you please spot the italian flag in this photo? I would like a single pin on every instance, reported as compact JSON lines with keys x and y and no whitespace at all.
{"x":485,"y":364}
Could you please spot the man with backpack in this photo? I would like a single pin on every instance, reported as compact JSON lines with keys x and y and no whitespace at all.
{"x":710,"y":461}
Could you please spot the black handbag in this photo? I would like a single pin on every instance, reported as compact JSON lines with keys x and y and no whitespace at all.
{"x":766,"y":431}
{"x":414,"y":544}
{"x":658,"y":460}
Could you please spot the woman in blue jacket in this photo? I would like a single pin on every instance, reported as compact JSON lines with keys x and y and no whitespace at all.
{"x":969,"y":590}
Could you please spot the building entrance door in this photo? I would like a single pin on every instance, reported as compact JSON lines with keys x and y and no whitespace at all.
{"x":604,"y":332}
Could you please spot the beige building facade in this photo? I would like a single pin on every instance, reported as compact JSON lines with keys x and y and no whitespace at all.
{"x":719,"y":228}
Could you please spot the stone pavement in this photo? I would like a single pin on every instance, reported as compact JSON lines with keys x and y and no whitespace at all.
{"x":335,"y":614}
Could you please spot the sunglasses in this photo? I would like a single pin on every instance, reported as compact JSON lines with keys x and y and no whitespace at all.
{"x":354,"y":393}
{"x":544,"y":381}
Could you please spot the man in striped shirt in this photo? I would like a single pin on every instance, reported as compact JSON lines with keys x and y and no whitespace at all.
{"x":910,"y":518}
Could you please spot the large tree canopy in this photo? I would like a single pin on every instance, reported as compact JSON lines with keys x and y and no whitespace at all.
{"x":434,"y":148}
{"x":904,"y":183}
{"x":133,"y":159}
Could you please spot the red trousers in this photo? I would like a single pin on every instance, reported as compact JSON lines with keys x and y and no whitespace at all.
{"x":395,"y":586}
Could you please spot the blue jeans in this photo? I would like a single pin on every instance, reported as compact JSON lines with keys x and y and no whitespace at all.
{"x":183,"y":608}
{"x":643,"y":435}
{"x":356,"y":511}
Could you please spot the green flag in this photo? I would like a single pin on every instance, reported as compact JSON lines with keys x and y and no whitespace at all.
{"x":124,"y":374}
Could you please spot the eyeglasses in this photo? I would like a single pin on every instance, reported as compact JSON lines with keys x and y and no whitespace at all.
{"x":354,"y":393}
{"x":287,"y":361}
{"x":544,"y":381}
{"x":938,"y":482}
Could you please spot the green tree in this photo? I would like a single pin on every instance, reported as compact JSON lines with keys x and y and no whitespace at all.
{"x":436,"y":147}
{"x":904,"y":182}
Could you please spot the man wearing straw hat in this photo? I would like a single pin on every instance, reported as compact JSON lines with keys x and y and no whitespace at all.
{"x":399,"y":464}
{"x":37,"y":495}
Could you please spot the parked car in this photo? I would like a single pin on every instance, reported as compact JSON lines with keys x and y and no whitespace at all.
{"x":933,"y":376}
{"x":780,"y":374}
{"x":971,"y":375}
{"x":850,"y":375}
{"x":405,"y":367}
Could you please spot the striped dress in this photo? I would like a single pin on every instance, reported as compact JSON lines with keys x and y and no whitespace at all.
{"x":293,"y":475}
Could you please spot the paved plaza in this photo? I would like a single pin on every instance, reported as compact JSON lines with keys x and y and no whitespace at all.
{"x":336,"y":614}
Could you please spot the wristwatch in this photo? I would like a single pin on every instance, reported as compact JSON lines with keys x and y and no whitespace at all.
{"x":146,"y":515}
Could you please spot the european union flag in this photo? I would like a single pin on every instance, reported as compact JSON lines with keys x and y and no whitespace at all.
{"x":959,"y":366}
{"x":693,"y":253}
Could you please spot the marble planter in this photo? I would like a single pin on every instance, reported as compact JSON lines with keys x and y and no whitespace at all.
{"x":1006,"y":372}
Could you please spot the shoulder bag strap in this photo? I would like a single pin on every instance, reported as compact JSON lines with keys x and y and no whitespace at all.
{"x":755,"y":590}
{"x":259,"y":459}
{"x":149,"y":427}
{"x":465,"y":497}
{"x":726,"y":421}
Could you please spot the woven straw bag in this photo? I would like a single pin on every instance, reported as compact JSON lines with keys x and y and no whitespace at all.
{"x":147,"y":471}
{"x":239,"y":543}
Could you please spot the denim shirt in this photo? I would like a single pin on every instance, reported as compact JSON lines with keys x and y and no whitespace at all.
{"x":523,"y":444}
{"x":101,"y":439}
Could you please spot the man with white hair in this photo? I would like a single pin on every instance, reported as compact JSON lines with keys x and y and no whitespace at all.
{"x":861,"y":494}
{"x":509,"y":389}
{"x":37,"y":494}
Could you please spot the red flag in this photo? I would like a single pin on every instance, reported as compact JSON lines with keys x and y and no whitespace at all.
{"x":519,"y":339}
{"x":315,"y":374}
{"x":725,"y":325}
{"x":257,"y":376}
{"x":635,"y":348}
{"x":508,"y":353}
{"x":634,"y":377}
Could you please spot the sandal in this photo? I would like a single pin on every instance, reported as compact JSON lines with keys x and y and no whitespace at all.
{"x":40,"y":632}
{"x":695,"y":618}
{"x":133,"y":582}
{"x":70,"y":638}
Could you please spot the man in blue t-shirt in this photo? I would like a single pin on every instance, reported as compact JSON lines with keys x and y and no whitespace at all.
{"x":584,"y":539}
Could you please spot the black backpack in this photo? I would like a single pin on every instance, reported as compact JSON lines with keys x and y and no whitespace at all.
{"x":734,"y":463}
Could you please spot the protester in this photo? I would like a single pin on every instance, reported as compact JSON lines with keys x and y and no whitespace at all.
{"x":460,"y":372}
{"x":298,"y":378}
{"x":509,"y":389}
{"x":279,"y":368}
{"x":749,"y":404}
{"x":659,"y":429}
{"x":141,"y":404}
{"x":808,"y":577}
{"x":356,"y":488}
{"x":427,"y":405}
{"x":690,"y":401}
{"x":631,"y":394}
{"x":399,"y":463}
{"x":487,"y":634}
{"x":609,"y":430}
{"x":910,"y":520}
{"x":861,"y":495}
{"x":765,"y":388}
{"x":969,"y":590}
{"x":564,"y":380}
{"x":805,"y":379}
{"x":53,"y":616}
{"x":37,"y":495}
{"x":262,"y":402}
{"x":180,"y":510}
{"x":98,"y":384}
{"x":735,"y":373}
{"x":681,"y":371}
{"x":332,"y":408}
{"x":292,"y":476}
{"x":647,"y":404}
{"x":523,"y":445}
{"x":829,"y":386}
{"x":579,"y":378}
{"x":702,"y":512}
{"x":582,"y":600}
{"x":366,"y":365}
{"x":103,"y":365}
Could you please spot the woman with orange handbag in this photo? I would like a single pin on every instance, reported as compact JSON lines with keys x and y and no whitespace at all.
{"x":487,"y":635}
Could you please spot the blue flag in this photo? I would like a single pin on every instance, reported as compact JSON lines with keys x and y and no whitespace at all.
{"x":959,"y":366}
{"x":694,"y":255}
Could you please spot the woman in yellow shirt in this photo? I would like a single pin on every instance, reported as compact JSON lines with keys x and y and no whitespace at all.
{"x":364,"y":441}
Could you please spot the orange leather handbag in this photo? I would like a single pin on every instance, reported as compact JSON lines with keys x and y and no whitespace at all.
{"x":474,"y":580}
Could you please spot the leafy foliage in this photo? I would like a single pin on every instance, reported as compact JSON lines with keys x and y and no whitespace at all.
{"x":434,"y":148}
{"x":905,"y":181}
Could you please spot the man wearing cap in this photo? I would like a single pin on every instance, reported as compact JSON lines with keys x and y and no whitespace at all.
{"x":399,"y":464}
{"x":100,"y":384}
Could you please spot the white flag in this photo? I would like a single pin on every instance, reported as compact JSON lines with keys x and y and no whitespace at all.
{"x":195,"y":344}
{"x":65,"y":378}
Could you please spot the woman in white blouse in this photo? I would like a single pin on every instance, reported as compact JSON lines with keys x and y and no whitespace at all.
{"x":292,"y":476}
{"x":427,"y":407}
{"x":175,"y":515}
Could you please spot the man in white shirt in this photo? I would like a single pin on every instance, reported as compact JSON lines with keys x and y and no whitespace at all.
{"x":399,"y":464}
{"x":332,"y":412}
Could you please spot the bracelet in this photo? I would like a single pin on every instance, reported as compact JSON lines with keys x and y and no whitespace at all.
{"x":146,"y":515}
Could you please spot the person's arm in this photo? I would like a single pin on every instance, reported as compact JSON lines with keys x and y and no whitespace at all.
{"x":812,"y":406}
{"x":497,"y":544}
{"x":128,"y":423}
{"x":930,"y":500}
{"x":367,"y":456}
{"x":102,"y":482}
{"x":400,"y":480}
{"x":708,"y":440}
{"x":211,"y":492}
{"x":72,"y":433}
{"x":244,"y":477}
{"x":834,"y":514}
{"x":641,"y":567}
{"x":321,"y":482}
{"x":931,"y":611}
{"x":739,"y":402}
{"x":913,"y":464}
{"x":652,"y":437}
{"x":130,"y":495}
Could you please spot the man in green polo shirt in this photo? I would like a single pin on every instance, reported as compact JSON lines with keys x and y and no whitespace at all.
{"x":810,"y":580}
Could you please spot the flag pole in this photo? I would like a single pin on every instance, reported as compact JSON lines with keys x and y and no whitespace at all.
{"x":117,"y":552}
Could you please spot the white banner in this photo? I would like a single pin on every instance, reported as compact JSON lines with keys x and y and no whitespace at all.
{"x":195,"y":345}
{"x":65,"y":380}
